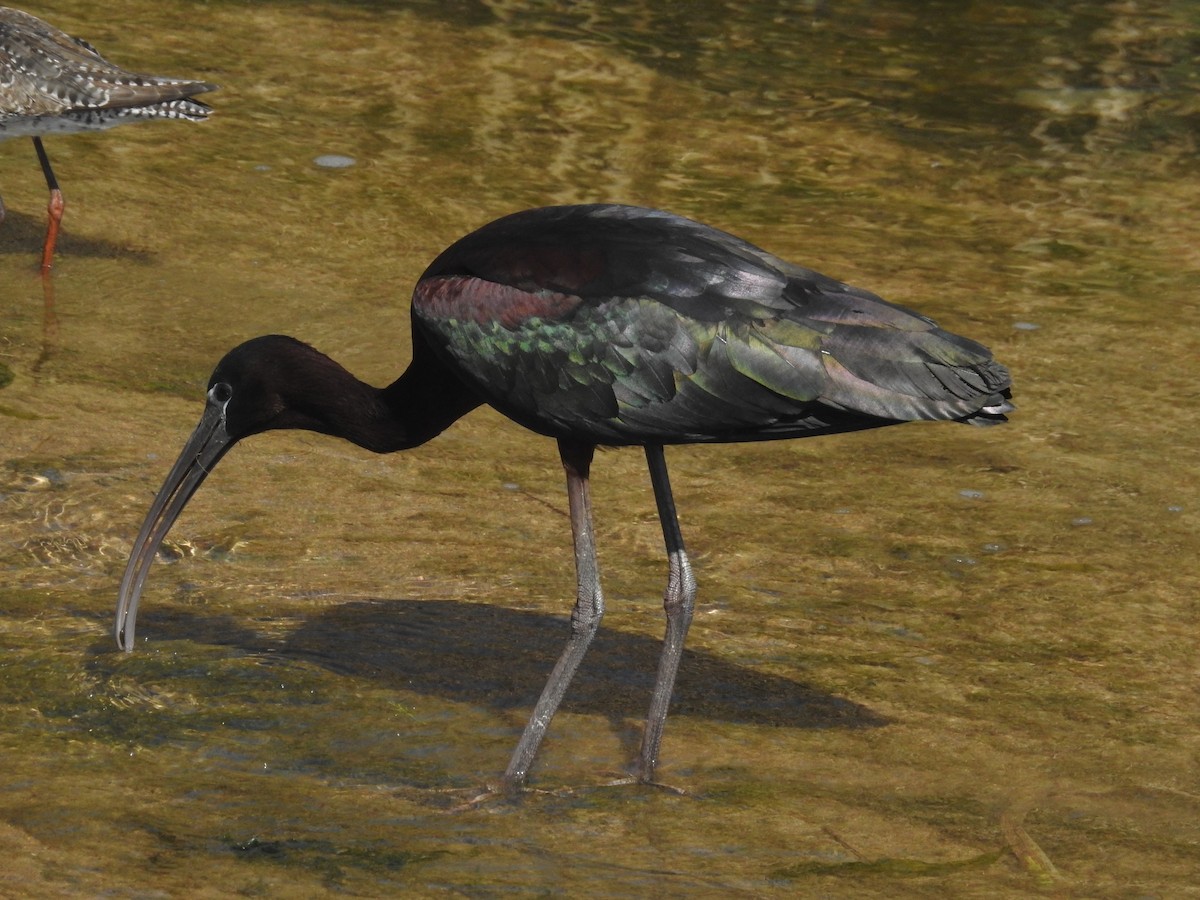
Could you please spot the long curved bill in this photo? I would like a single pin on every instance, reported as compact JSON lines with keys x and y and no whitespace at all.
{"x":204,"y":449}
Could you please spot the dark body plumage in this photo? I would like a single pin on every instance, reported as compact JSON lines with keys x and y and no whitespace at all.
{"x":52,"y":83}
{"x":602,"y":325}
{"x":620,"y":325}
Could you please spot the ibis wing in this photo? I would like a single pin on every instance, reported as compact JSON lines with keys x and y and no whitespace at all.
{"x":636,"y":326}
{"x":635,"y":370}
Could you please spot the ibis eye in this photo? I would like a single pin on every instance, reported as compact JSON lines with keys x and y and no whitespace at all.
{"x":220,"y":393}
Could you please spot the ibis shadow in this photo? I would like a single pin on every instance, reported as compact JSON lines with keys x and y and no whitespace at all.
{"x":500,"y":657}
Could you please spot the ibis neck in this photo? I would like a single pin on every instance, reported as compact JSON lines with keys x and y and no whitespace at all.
{"x":320,"y":395}
{"x":418,"y":406}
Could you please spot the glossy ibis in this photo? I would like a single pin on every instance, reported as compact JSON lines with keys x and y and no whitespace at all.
{"x":602,"y":325}
{"x":52,"y":83}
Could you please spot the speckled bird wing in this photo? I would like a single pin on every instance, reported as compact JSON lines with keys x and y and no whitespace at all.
{"x":34,"y":55}
{"x":635,"y":326}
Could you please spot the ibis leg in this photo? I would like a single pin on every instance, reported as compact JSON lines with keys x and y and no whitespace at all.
{"x":679,"y":602}
{"x":585,"y":618}
{"x":55,"y":207}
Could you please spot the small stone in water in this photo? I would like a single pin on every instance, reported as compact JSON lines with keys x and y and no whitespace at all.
{"x":334,"y":161}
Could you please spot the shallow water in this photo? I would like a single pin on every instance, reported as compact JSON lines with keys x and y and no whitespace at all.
{"x":928,"y":661}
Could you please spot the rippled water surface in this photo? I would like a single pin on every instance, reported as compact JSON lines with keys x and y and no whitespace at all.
{"x":928,"y":661}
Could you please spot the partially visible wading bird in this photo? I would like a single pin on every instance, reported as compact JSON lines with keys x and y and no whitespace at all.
{"x":602,"y":325}
{"x":52,"y":83}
